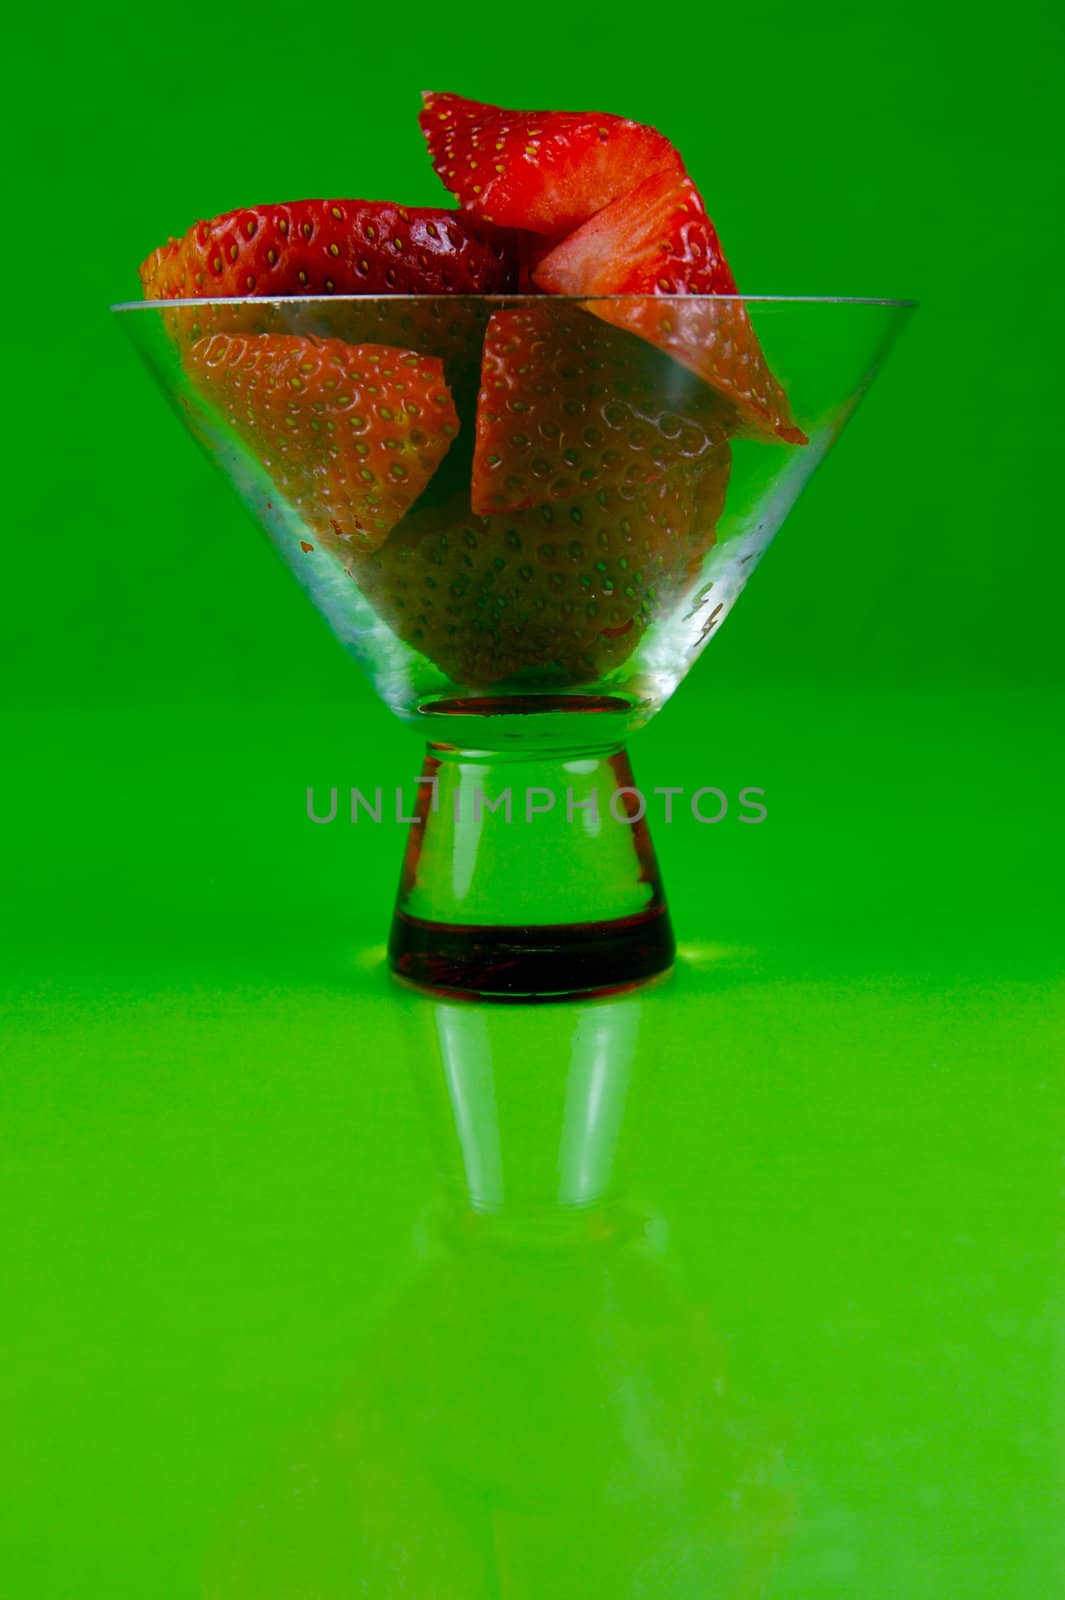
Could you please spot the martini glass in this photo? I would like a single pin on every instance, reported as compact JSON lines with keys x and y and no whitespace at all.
{"x":526,"y":645}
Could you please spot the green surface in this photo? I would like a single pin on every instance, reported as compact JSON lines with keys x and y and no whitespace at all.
{"x":224,"y":1270}
{"x":234,"y":1359}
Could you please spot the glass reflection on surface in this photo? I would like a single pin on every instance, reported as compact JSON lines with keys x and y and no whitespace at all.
{"x":543,"y":1409}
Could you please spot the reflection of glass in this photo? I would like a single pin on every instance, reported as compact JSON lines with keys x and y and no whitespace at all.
{"x":544,"y":1411}
{"x":622,"y":503}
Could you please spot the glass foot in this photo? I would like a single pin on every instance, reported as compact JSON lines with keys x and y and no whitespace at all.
{"x":529,"y":879}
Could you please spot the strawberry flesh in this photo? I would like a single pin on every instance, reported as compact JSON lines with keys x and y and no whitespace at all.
{"x":569,"y":406}
{"x":658,"y":241}
{"x":655,"y":239}
{"x":316,"y":247}
{"x":543,"y":171}
{"x":349,"y":434}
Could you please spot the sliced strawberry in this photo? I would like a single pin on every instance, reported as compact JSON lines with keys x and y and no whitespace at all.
{"x":531,"y":249}
{"x":314,"y":247}
{"x":545,"y":171}
{"x":555,"y":594}
{"x":332,"y":248}
{"x":349,"y":434}
{"x":449,"y":328}
{"x":162,"y":274}
{"x":655,"y":239}
{"x":568,"y":406}
{"x":658,"y":240}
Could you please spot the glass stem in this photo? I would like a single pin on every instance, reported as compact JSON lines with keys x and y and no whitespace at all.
{"x":529,"y":878}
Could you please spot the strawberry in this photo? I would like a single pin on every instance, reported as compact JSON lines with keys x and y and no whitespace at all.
{"x":339,"y":247}
{"x":448,"y":328}
{"x":654,"y":239}
{"x":658,"y":240}
{"x":531,"y":249}
{"x":558,"y":593}
{"x":544,"y":171}
{"x":568,"y":406}
{"x":349,"y":434}
{"x":314,"y":247}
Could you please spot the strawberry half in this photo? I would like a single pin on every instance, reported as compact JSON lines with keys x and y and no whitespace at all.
{"x":569,"y":406}
{"x":658,"y":240}
{"x":544,"y":171}
{"x":350,"y":434}
{"x":559,"y":593}
{"x":450,"y":329}
{"x":314,"y":247}
{"x":330,"y":249}
{"x":654,"y":239}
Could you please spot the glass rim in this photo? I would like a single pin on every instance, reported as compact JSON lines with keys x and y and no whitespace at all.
{"x":503,"y":298}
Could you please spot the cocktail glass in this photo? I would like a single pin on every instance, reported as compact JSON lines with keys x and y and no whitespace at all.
{"x":526,"y":646}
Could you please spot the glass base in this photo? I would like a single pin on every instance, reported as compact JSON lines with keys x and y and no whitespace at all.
{"x":551,"y":961}
{"x":529,"y":877}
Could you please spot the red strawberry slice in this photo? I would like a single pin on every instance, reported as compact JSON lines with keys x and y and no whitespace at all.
{"x":333,"y":248}
{"x":568,"y":406}
{"x":450,"y":328}
{"x":314,"y":247}
{"x":531,"y":249}
{"x":349,"y":434}
{"x":545,"y":171}
{"x":658,"y":240}
{"x":559,"y":593}
{"x":655,"y":239}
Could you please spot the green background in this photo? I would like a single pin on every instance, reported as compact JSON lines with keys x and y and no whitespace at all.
{"x":215,"y":1163}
